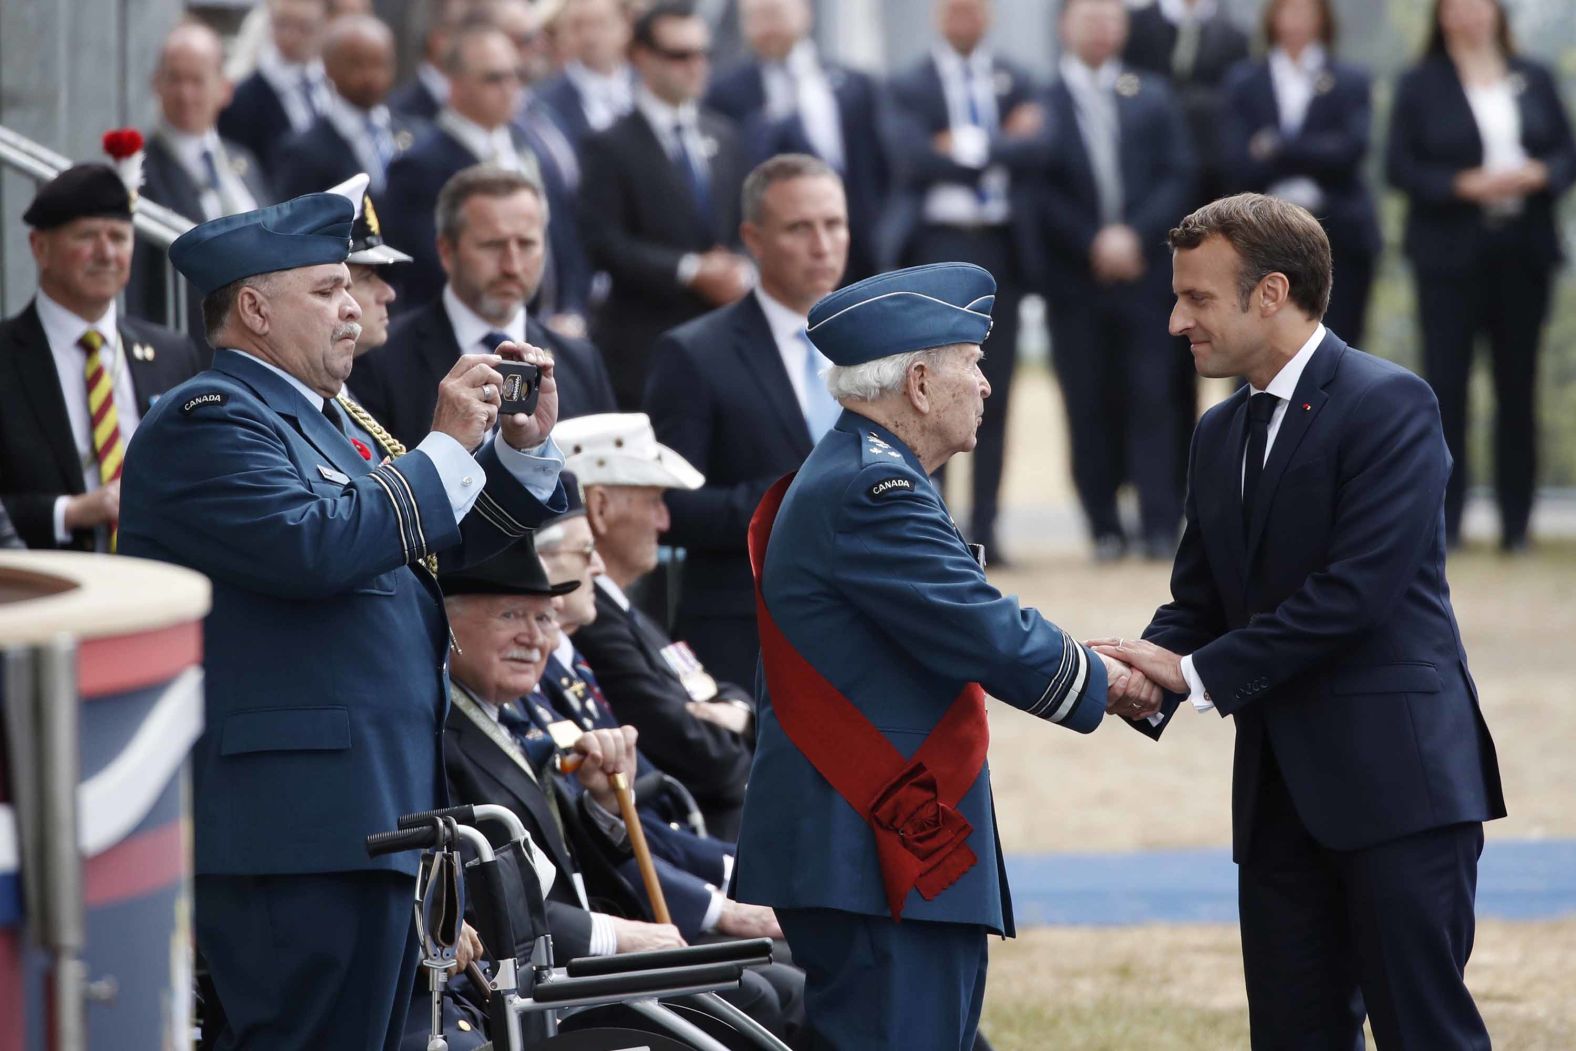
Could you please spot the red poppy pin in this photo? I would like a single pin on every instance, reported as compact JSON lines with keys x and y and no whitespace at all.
{"x":1307,"y":406}
{"x":366,"y":454}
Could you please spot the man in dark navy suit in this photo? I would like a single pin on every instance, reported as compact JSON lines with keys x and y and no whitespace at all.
{"x":738,"y":393}
{"x":357,"y":132}
{"x":1120,"y":176}
{"x":969,"y":142}
{"x":187,"y":166}
{"x":597,"y":85}
{"x":69,"y":362}
{"x":288,"y":91}
{"x":492,"y":240}
{"x":787,"y":99}
{"x":659,"y":200}
{"x":473,"y":128}
{"x":425,"y":93}
{"x":325,"y":653}
{"x":1309,"y":601}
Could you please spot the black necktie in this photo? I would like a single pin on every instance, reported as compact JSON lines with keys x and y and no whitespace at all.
{"x":1261,"y":407}
{"x":334,"y":418}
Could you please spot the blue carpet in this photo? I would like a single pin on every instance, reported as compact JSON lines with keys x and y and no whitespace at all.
{"x":1517,"y":880}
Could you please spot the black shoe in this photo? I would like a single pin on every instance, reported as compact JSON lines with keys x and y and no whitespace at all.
{"x":1110,"y":547}
{"x":1515,"y":546}
{"x":1160,"y":547}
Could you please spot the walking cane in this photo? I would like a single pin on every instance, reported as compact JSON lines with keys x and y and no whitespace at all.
{"x":637,"y":842}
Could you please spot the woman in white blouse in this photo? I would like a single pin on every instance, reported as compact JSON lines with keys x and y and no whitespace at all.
{"x":1482,"y":147}
{"x":1295,"y":125}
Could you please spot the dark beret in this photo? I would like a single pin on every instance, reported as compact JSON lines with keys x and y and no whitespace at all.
{"x":84,"y":191}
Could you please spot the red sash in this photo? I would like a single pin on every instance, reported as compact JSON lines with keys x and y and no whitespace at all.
{"x":908,"y":803}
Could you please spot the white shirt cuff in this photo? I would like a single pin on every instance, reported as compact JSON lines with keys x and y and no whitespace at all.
{"x":970,"y":146}
{"x":708,"y":922}
{"x":62,"y":534}
{"x":689,"y":266}
{"x":462,"y":477}
{"x":1197,"y":696}
{"x":536,"y":469}
{"x":604,"y":939}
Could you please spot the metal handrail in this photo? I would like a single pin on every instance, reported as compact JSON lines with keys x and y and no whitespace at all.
{"x":154,"y":222}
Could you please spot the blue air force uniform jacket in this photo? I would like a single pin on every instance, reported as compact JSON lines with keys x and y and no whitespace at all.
{"x":326,"y":650}
{"x":868,"y":579}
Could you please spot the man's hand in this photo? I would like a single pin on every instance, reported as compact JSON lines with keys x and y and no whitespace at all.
{"x":1116,"y":255}
{"x":723,"y":277}
{"x":1023,"y":120}
{"x":740,"y":920}
{"x":1158,"y":664}
{"x":469,"y":948}
{"x":725,"y":714}
{"x":639,"y":936}
{"x":607,"y":752}
{"x":100,"y":507}
{"x":468,"y":400}
{"x":519,"y":430}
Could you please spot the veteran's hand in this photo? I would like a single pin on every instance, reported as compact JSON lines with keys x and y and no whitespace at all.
{"x":469,"y":947}
{"x":742,"y":920}
{"x":725,"y":714}
{"x":468,"y":400}
{"x":607,"y":752}
{"x":519,"y":430}
{"x":639,"y":936}
{"x":1160,"y":665}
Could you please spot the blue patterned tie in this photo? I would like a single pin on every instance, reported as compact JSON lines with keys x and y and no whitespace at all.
{"x":694,"y":172}
{"x":821,"y":409}
{"x":538,"y":748}
{"x":493,"y":339}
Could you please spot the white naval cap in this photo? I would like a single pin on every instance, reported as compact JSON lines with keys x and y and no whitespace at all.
{"x":620,"y":448}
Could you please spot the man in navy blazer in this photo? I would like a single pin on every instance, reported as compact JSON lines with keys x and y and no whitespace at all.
{"x":788,"y":99}
{"x":287,"y":91}
{"x":1121,"y":175}
{"x":1309,"y":601}
{"x":659,"y":200}
{"x":357,"y":132}
{"x":325,"y":652}
{"x":482,"y":304}
{"x":738,"y":393}
{"x":969,"y":142}
{"x":475,"y":127}
{"x":596,"y":85}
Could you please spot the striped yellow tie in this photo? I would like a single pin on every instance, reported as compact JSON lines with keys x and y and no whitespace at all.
{"x":107,"y":445}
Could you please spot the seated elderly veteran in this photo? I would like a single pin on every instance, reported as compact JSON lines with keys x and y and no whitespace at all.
{"x":695,"y":728}
{"x":870,"y":801}
{"x":501,"y":747}
{"x":326,"y":647}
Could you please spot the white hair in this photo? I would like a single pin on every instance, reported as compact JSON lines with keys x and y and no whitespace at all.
{"x":870,"y":380}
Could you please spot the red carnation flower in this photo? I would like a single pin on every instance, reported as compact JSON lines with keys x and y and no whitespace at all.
{"x":366,"y":454}
{"x":121,"y":143}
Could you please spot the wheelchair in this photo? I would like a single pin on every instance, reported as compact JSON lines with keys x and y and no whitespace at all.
{"x":664,"y":1000}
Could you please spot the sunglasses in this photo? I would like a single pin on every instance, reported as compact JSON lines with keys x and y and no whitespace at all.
{"x":684,"y":54}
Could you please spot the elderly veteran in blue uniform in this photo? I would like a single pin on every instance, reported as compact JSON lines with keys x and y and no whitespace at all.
{"x":325,"y":651}
{"x":868,"y":822}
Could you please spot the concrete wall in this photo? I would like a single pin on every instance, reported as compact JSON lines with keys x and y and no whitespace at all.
{"x":69,"y":71}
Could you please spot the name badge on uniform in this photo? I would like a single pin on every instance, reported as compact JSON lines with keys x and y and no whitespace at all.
{"x":333,"y":475}
{"x":698,"y":683}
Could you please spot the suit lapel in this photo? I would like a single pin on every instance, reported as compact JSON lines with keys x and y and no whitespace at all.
{"x":146,"y":376}
{"x":35,"y":364}
{"x":757,"y":352}
{"x":1220,"y":505}
{"x":439,"y":348}
{"x":676,"y":193}
{"x":1305,"y":406}
{"x":1077,"y":150}
{"x":288,"y":402}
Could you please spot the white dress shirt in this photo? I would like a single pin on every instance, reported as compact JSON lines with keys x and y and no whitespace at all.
{"x":787,"y":328}
{"x":231,"y":195}
{"x":487,"y":145}
{"x":1296,"y":82}
{"x":286,"y":79}
{"x":951,"y":204}
{"x":462,"y":477}
{"x":1498,"y":121}
{"x":1284,"y":387}
{"x":604,"y":97}
{"x":470,"y":328}
{"x":1180,"y":10}
{"x":1094,"y":106}
{"x":62,"y":329}
{"x":799,"y":85}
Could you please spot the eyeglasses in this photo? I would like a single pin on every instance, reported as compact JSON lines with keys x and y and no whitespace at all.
{"x":585,"y":551}
{"x":683,"y":54}
{"x":499,"y":76}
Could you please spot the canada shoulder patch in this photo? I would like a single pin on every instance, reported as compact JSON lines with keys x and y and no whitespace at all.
{"x":888,"y":486}
{"x":197,"y":401}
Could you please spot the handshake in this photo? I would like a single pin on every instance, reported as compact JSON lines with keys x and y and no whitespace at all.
{"x":1138,"y":675}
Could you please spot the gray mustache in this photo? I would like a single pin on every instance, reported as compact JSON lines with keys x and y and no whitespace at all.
{"x":349,"y":330}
